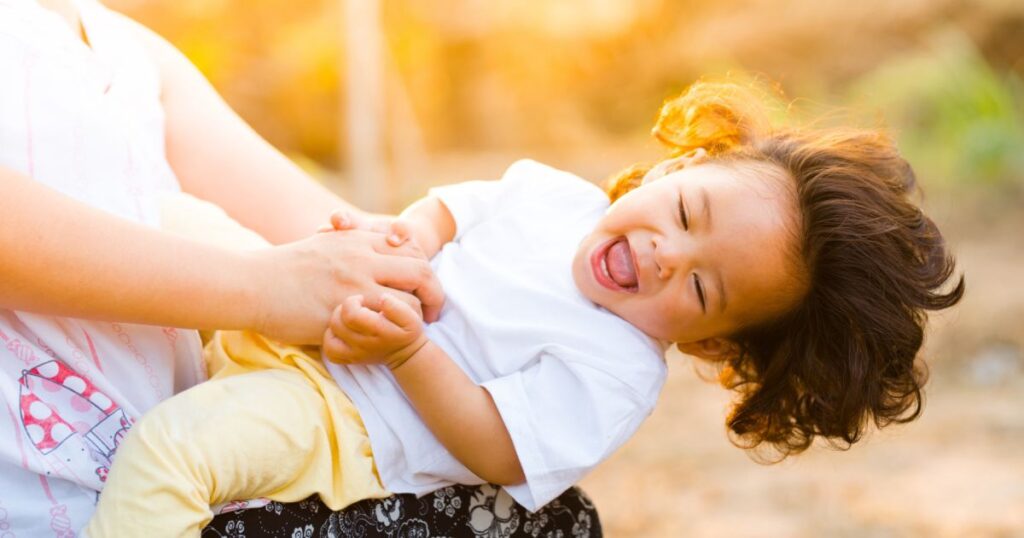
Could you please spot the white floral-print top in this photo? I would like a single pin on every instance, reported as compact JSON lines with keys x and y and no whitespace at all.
{"x":84,"y":120}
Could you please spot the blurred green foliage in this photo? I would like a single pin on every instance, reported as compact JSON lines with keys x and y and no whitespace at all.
{"x":956,"y":119}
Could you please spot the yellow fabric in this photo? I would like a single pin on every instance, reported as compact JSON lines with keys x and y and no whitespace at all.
{"x":271,"y":422}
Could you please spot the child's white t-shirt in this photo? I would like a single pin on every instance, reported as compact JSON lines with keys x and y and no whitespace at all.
{"x":571,"y":380}
{"x":86,"y":122}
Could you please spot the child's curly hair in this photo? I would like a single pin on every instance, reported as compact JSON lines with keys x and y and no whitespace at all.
{"x":846,"y":353}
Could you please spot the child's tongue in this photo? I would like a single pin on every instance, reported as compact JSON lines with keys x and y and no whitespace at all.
{"x":620,"y":264}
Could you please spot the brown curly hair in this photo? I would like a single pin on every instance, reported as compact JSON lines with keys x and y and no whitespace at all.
{"x":846,"y":354}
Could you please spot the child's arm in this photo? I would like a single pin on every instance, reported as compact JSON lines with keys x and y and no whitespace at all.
{"x":460,"y":413}
{"x":430,"y":224}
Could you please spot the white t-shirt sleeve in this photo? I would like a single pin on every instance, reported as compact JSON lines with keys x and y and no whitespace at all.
{"x":564,"y":417}
{"x":470,"y":202}
{"x":525,"y":181}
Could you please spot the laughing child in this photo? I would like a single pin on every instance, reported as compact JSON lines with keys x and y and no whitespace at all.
{"x":795,"y":260}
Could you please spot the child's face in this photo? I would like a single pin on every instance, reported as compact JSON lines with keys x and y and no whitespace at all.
{"x":729,"y":263}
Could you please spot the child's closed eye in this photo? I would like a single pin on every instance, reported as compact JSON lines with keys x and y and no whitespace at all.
{"x":698,"y":285}
{"x":683,"y":219}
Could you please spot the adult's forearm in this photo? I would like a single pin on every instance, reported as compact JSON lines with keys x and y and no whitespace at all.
{"x":62,"y":257}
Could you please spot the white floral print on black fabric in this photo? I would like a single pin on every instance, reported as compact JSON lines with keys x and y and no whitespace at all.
{"x":414,"y":528}
{"x":312,"y":504}
{"x":492,"y":513}
{"x":304,"y":532}
{"x":581,"y":528}
{"x":533,"y":526}
{"x":445,"y":500}
{"x":453,"y":512}
{"x":387,"y":512}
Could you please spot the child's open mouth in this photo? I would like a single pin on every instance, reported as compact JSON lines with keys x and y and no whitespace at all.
{"x":613,"y":266}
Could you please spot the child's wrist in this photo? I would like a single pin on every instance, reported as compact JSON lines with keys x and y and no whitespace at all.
{"x":402,"y":356}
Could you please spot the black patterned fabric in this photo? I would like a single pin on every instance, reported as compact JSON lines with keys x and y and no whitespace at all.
{"x":450,"y":512}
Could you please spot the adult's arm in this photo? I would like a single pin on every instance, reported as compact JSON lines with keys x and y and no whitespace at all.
{"x":219,"y":158}
{"x":62,"y":257}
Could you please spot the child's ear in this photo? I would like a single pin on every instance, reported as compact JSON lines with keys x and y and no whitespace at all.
{"x":690,"y":158}
{"x":711,"y":349}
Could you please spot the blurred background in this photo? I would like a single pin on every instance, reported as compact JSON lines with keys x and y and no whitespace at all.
{"x":381,"y":99}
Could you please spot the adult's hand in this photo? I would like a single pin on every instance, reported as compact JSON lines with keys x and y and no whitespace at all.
{"x":399,"y":232}
{"x":303,"y":282}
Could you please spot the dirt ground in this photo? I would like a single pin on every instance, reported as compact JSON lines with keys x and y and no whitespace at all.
{"x":956,"y":472}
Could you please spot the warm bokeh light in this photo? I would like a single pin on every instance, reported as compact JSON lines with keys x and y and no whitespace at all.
{"x":461,"y":88}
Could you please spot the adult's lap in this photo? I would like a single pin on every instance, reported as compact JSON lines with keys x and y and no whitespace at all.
{"x":452,"y":511}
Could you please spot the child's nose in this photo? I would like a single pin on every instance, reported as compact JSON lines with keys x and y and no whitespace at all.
{"x":671,"y":256}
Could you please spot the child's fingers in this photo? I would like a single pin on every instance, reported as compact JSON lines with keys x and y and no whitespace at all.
{"x":342,"y":220}
{"x":334,"y":348}
{"x":409,"y":299}
{"x":358,"y":318}
{"x":339,"y":322}
{"x":399,"y":313}
{"x":335,"y":325}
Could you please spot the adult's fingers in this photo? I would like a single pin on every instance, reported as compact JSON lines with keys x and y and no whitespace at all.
{"x":390,"y":268}
{"x":408,"y":249}
{"x":415,"y":277}
{"x":432,"y":313}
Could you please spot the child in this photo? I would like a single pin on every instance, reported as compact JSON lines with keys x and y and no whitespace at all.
{"x":793,"y":259}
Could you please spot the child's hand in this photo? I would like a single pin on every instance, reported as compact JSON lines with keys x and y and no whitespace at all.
{"x":398,"y":231}
{"x":389,"y":332}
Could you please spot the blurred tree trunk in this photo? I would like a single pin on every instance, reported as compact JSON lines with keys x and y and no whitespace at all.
{"x":364,"y":106}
